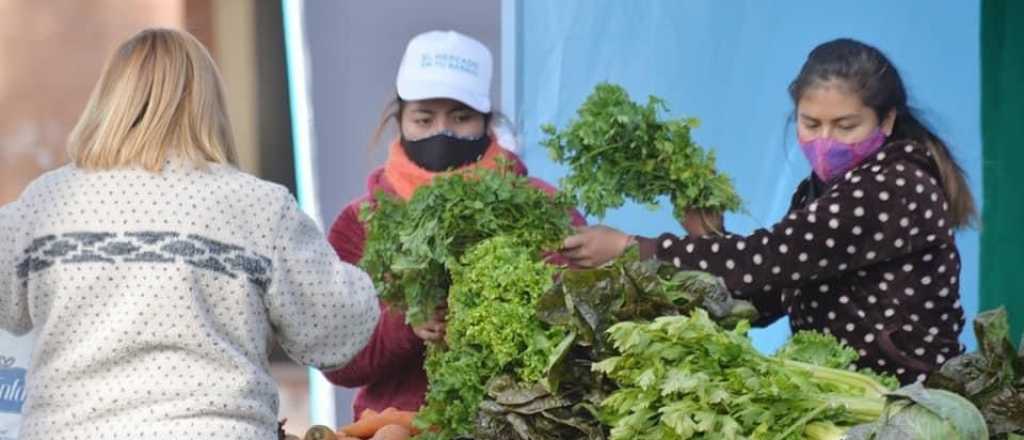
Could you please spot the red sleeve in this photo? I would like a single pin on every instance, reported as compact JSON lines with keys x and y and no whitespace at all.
{"x":393,"y":344}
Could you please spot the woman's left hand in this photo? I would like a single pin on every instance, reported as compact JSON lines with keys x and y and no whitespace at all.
{"x":593,"y":246}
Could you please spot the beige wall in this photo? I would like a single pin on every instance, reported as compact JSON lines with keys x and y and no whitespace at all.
{"x":52,"y":52}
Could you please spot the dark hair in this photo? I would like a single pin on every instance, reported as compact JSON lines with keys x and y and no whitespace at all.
{"x":393,"y":112}
{"x":868,"y":73}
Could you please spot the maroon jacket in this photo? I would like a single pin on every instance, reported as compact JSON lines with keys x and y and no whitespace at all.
{"x":389,"y":370}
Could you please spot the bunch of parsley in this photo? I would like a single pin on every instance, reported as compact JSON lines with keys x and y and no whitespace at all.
{"x":617,"y":149}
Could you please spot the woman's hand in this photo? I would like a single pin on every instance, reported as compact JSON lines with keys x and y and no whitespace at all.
{"x":434,"y":329}
{"x":700,"y":222}
{"x":593,"y":246}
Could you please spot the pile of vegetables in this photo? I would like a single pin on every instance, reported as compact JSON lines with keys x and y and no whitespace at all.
{"x":617,"y":149}
{"x":410,"y":246}
{"x":687,"y":377}
{"x":992,"y":378}
{"x":634,"y":349}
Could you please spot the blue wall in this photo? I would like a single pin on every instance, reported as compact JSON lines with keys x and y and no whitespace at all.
{"x":729,"y":63}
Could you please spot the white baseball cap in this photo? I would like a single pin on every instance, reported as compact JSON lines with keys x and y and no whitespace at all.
{"x":446,"y":64}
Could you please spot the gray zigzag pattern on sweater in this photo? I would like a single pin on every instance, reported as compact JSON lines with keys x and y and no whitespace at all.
{"x":161,"y":247}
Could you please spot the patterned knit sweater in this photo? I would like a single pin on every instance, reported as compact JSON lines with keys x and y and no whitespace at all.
{"x":155,"y":298}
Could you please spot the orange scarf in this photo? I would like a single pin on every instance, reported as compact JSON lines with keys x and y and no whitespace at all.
{"x":405,"y":176}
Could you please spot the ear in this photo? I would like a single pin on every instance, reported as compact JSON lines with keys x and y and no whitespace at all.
{"x":889,"y":122}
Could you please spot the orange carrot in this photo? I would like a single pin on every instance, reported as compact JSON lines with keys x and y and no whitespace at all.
{"x":369,"y":423}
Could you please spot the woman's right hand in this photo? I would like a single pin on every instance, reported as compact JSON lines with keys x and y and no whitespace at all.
{"x":433,"y":330}
{"x":700,"y":222}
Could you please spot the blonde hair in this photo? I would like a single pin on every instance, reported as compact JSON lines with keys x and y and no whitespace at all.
{"x":159,"y":94}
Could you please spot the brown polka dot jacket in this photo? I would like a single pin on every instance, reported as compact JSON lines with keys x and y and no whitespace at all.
{"x":869,"y":258}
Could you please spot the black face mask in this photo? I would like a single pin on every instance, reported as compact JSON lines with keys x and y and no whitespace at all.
{"x":443,"y":151}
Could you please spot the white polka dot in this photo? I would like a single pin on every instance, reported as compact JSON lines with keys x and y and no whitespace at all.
{"x":831,"y":315}
{"x":956,"y":327}
{"x":869,"y":338}
{"x":740,"y":245}
{"x":929,"y":338}
{"x":871,"y":255}
{"x":933,"y":330}
{"x":876,"y":168}
{"x":909,"y":291}
{"x":942,"y":269}
{"x":942,"y":222}
{"x":814,"y":304}
{"x":900,"y":167}
{"x":881,"y":156}
{"x":944,"y":316}
{"x":889,"y":276}
{"x":667,"y":243}
{"x":830,"y":243}
{"x":929,"y":305}
{"x":703,"y":265}
{"x":952,"y":280}
{"x":883,"y":196}
{"x":855,"y":179}
{"x":714,"y":248}
{"x":919,"y":351}
{"x":918,"y":173}
{"x":809,"y":236}
{"x":909,"y":148}
{"x":883,"y":286}
{"x":862,"y":352}
{"x":908,"y":328}
{"x":811,"y":218}
{"x":881,"y":362}
{"x":842,"y":267}
{"x":872,"y":299}
{"x":935,"y":198}
{"x":861,"y":314}
{"x":850,"y":327}
{"x":844,"y":299}
{"x":802,"y":257}
{"x":823,"y":288}
{"x":834,"y":208}
{"x":758,"y":259}
{"x":764,"y":240}
{"x":851,"y":249}
{"x":833,"y":223}
{"x":901,"y":370}
{"x":915,"y":231}
{"x":914,"y":317}
{"x":883,"y":217}
{"x":776,"y":270}
{"x":904,"y":222}
{"x":940,"y":359}
{"x":919,"y":188}
{"x":858,"y":194}
{"x":813,"y":207}
{"x":823,"y":262}
{"x":901,"y":181}
{"x":783,"y":248}
{"x":926,"y":280}
{"x":789,"y":231}
{"x":898,"y":243}
{"x":677,"y":262}
{"x":879,"y":236}
{"x":889,"y":312}
{"x":689,"y":248}
{"x":767,"y":288}
{"x":750,"y":279}
{"x":862,"y":273}
{"x":927,"y":257}
{"x":930,"y":238}
{"x":879,"y":178}
{"x":912,"y":206}
{"x":795,"y":276}
{"x":944,"y":292}
{"x":729,"y":264}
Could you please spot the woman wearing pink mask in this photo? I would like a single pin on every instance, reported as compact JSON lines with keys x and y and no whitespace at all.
{"x":867,"y":251}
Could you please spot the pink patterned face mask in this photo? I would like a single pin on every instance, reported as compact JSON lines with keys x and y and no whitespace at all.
{"x":830,"y":158}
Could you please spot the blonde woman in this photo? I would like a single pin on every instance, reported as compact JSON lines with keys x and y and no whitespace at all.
{"x":155,"y":274}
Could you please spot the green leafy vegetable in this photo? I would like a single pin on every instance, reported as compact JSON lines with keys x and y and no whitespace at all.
{"x":410,"y":247}
{"x":492,"y":330}
{"x":917,"y":413}
{"x":992,"y":378}
{"x":687,"y":377}
{"x":617,"y":149}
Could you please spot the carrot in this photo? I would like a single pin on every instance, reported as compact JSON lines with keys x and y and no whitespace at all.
{"x":369,"y":424}
{"x":368,"y":412}
{"x":392,"y":432}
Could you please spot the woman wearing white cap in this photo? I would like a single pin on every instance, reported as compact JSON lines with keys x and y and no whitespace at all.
{"x":443,"y":111}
